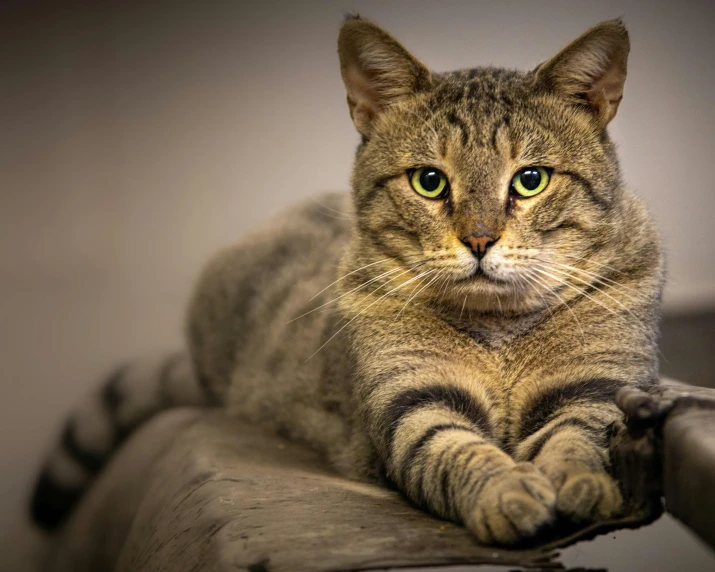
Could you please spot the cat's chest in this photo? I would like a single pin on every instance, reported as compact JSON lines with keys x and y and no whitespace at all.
{"x":502,"y":335}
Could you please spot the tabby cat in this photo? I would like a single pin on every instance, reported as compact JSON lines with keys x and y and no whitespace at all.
{"x":492,"y":285}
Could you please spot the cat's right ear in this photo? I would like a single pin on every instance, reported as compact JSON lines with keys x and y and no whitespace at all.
{"x":377,"y":71}
{"x":591,"y":70}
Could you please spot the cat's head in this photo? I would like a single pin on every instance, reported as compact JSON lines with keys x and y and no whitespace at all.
{"x":492,"y":185}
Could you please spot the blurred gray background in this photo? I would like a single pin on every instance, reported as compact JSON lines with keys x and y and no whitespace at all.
{"x":138,"y":137}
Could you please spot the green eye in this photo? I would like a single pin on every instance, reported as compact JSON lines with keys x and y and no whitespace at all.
{"x":531,"y":181}
{"x":429,"y":182}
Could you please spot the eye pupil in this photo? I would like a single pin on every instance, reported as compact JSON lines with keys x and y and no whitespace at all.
{"x":530,"y":179}
{"x":429,"y":182}
{"x":430,"y":179}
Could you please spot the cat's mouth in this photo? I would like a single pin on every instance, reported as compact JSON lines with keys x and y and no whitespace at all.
{"x":481,"y":276}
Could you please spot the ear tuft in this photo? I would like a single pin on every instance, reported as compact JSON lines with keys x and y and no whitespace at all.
{"x":376,"y":69}
{"x":591,"y":70}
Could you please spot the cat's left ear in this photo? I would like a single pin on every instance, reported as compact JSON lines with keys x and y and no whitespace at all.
{"x":377,"y":71}
{"x":591,"y":70}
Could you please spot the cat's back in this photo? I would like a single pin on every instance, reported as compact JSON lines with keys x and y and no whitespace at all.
{"x":248,"y":295}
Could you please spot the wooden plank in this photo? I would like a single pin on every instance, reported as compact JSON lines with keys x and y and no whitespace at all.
{"x":689,"y":467}
{"x":195,"y":490}
{"x":670,"y":451}
{"x":198,"y":491}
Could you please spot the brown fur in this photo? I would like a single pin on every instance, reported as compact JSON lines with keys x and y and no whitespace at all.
{"x":484,"y":398}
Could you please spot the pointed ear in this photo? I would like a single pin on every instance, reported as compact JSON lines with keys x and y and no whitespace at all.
{"x":591,"y":70}
{"x":377,"y":71}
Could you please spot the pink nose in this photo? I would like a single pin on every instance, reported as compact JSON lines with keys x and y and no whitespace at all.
{"x":480,"y":244}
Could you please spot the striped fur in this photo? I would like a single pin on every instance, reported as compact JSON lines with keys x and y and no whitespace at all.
{"x":364,"y":326}
{"x":128,"y":397}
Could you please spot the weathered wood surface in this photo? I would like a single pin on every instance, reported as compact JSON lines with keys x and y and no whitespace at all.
{"x":674,"y":427}
{"x":198,"y":491}
{"x":195,"y":490}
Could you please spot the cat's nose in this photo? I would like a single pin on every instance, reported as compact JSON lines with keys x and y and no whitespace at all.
{"x":480,"y":244}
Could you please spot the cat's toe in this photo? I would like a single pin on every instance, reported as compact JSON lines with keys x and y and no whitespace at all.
{"x":513,"y":507}
{"x":589,"y":496}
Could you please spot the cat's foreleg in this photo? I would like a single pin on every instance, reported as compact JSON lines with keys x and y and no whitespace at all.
{"x":437,"y":444}
{"x":565,"y":434}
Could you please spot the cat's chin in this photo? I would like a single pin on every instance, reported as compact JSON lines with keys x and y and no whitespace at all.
{"x":483,"y":280}
{"x":489,"y":294}
{"x":504,"y":303}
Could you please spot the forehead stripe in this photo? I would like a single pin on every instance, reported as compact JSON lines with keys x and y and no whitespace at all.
{"x":453,"y":119}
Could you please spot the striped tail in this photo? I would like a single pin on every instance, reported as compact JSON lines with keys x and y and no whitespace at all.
{"x":130,"y":396}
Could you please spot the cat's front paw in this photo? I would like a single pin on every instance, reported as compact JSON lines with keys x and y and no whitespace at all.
{"x":513,"y":506}
{"x":584,"y":495}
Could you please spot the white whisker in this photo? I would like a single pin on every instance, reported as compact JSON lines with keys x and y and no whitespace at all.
{"x":330,"y":215}
{"x":357,"y":304}
{"x":362,"y":312}
{"x":591,"y":297}
{"x":345,"y":216}
{"x":553,"y":291}
{"x":463,"y":305}
{"x":501,"y":310}
{"x":527,"y":276}
{"x":357,"y":288}
{"x":598,"y":277}
{"x":420,"y":290}
{"x":589,"y":260}
{"x":349,"y":274}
